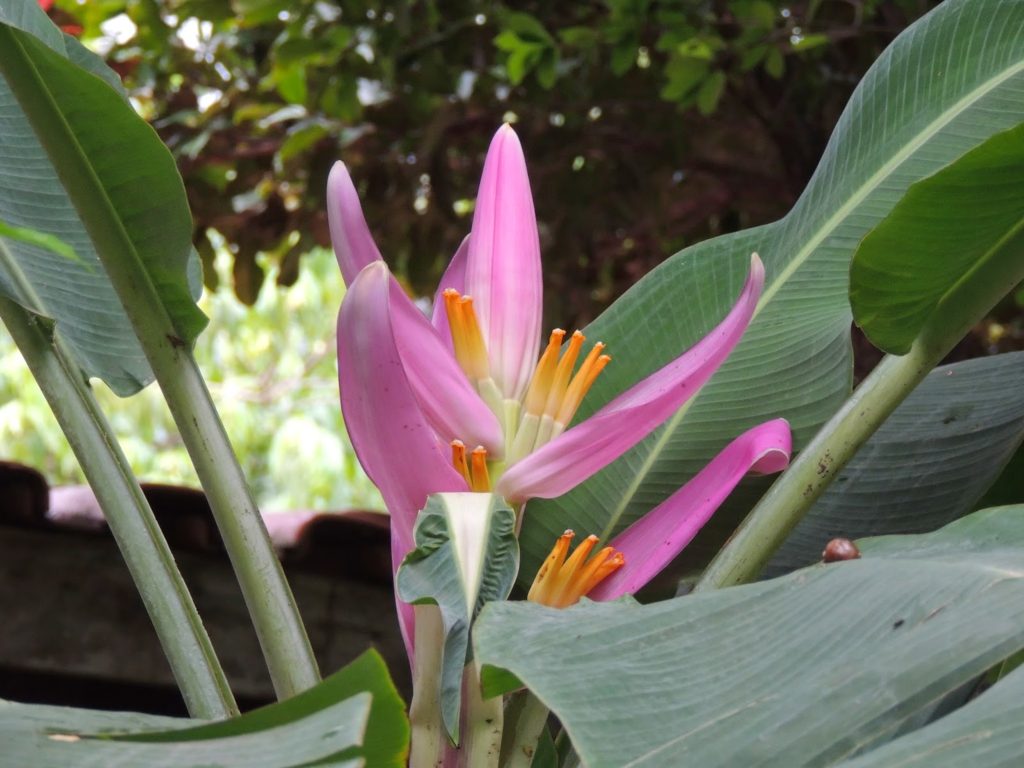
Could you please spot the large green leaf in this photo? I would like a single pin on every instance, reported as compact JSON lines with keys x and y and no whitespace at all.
{"x":987,"y":732}
{"x":804,"y":670}
{"x":1009,"y":486}
{"x":943,"y":87}
{"x":466,"y":556}
{"x":929,"y":463}
{"x":90,"y":118}
{"x":355,"y":717}
{"x":935,"y":239}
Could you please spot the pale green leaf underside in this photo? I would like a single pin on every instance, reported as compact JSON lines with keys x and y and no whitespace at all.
{"x":928,"y":464}
{"x":144,"y":188}
{"x":805,"y":670}
{"x":326,"y":733}
{"x":352,"y":716}
{"x":986,"y":732}
{"x":943,"y":87}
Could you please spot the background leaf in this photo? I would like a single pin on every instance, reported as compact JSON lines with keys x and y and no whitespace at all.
{"x":803,"y":670}
{"x":928,"y":464}
{"x":985,"y":732}
{"x":945,"y":226}
{"x":354,"y":715}
{"x":902,"y":124}
{"x":144,"y":190}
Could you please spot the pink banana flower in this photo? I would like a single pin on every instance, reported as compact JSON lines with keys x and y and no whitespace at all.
{"x":415,"y":392}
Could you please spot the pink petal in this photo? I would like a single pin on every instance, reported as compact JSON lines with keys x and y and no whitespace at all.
{"x":353,"y":243}
{"x":454,"y":277}
{"x":503,"y":273}
{"x":591,"y":445}
{"x":653,"y":541}
{"x":449,"y":402}
{"x":391,"y":437}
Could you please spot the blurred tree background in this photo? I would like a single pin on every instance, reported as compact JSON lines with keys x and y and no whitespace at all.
{"x":647,"y":125}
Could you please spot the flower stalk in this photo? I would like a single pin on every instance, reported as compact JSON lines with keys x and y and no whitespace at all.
{"x":892,"y":380}
{"x":202,"y":682}
{"x":526,"y":716}
{"x":267,"y":595}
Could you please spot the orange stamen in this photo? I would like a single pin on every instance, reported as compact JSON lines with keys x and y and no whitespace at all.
{"x":477,"y":349}
{"x":581,"y":383}
{"x":543,"y":375}
{"x":481,"y":480}
{"x":549,"y":568}
{"x":561,"y":582}
{"x":562,"y":374}
{"x":470,"y":349}
{"x":451,"y":308}
{"x":459,"y":460}
{"x":601,"y":565}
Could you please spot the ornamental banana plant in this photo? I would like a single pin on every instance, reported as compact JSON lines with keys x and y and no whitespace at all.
{"x":462,"y":402}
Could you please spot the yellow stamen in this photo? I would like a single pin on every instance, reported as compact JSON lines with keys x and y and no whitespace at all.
{"x":459,"y":460}
{"x":475,"y":339}
{"x":600,"y":566}
{"x":451,"y":309}
{"x":561,"y":582}
{"x":481,"y":480}
{"x":468,"y":341}
{"x":562,"y":374}
{"x":581,"y":383}
{"x":543,"y":375}
{"x":549,"y":568}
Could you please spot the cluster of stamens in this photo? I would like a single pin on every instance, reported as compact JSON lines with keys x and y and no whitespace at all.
{"x":562,"y":581}
{"x":554,"y":393}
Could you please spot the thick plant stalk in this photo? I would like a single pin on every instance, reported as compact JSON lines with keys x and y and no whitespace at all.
{"x":428,"y":739}
{"x":267,"y":595}
{"x":818,"y":464}
{"x":525,"y":718}
{"x":180,"y":630}
{"x":480,"y":723}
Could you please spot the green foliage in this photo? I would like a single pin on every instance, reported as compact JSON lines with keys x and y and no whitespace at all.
{"x":927,"y":465}
{"x":41,"y":239}
{"x":352,"y":716}
{"x":78,"y":165}
{"x":795,"y":358}
{"x":805,"y":670}
{"x":271,"y":368}
{"x":811,"y":669}
{"x":918,"y":264}
{"x":986,"y":731}
{"x":257,"y":99}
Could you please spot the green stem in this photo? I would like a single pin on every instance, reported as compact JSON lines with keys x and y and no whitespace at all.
{"x":525,"y":718}
{"x":428,"y":738}
{"x":791,"y":497}
{"x":271,"y":605}
{"x":267,"y":595}
{"x":480,"y":721}
{"x":150,"y":562}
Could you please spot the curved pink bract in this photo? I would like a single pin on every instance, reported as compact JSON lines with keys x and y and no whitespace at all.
{"x":595,"y":442}
{"x":653,"y":541}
